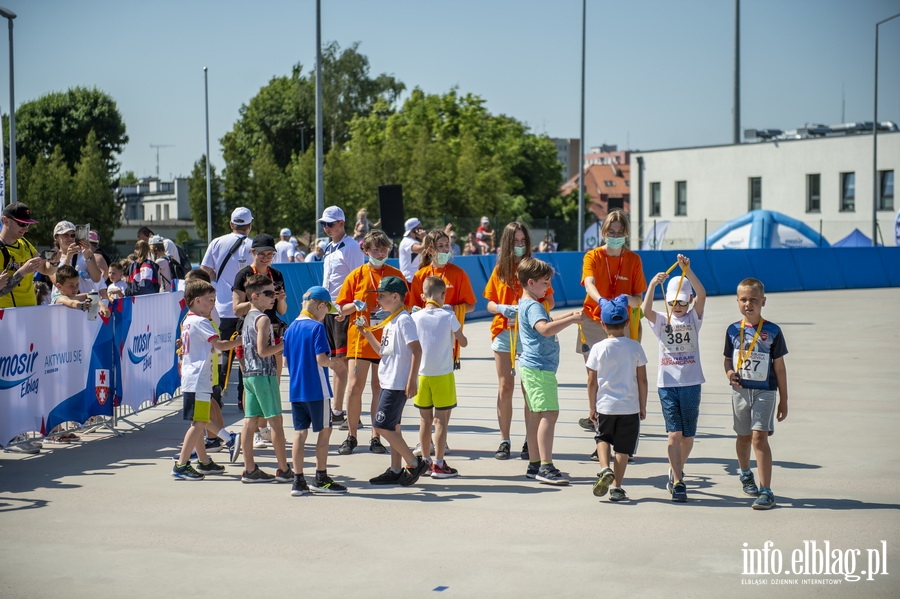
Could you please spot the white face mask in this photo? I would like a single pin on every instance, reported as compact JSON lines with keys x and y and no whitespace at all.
{"x":375,"y":263}
{"x":519,"y":251}
{"x":443,"y":258}
{"x":615,"y":243}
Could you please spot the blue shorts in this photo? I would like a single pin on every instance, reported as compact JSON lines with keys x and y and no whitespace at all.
{"x":390,"y":409}
{"x":315,"y":414}
{"x":680,"y":408}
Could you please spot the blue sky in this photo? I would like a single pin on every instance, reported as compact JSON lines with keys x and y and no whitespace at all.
{"x":659,"y":73}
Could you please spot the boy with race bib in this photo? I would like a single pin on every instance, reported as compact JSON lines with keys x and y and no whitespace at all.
{"x":754,"y":365}
{"x":680,"y":373}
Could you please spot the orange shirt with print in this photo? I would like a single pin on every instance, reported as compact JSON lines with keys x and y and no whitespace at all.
{"x":459,"y":288}
{"x":500,"y":293}
{"x":613,"y":276}
{"x":362,"y":284}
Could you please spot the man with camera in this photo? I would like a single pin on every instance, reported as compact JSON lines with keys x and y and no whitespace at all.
{"x":19,"y":259}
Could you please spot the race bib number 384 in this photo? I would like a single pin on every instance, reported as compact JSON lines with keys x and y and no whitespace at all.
{"x":679,"y":338}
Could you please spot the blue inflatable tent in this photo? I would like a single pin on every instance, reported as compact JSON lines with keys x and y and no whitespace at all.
{"x":763,"y":229}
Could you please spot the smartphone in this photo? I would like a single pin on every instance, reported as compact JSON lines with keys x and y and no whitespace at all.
{"x":83,"y":231}
{"x":48,"y":254}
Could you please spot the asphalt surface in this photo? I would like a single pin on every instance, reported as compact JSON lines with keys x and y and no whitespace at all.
{"x":103,"y":518}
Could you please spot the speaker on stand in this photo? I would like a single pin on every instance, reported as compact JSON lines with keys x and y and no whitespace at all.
{"x":390,"y":204}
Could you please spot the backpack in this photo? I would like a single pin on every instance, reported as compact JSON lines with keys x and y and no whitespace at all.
{"x":185,"y":263}
{"x":178,"y":269}
{"x":142,"y":278}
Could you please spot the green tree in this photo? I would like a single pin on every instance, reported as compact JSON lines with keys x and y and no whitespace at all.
{"x":92,"y":199}
{"x":267,"y":194}
{"x":64,"y":120}
{"x":45,"y":185}
{"x":197,"y":198}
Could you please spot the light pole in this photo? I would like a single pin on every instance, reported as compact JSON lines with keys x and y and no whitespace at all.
{"x":580,"y":244}
{"x":13,"y":194}
{"x":875,"y":185}
{"x":208,"y":179}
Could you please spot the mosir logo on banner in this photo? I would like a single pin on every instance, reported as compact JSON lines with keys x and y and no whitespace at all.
{"x":139,"y":352}
{"x":17,"y":370}
{"x":814,"y":563}
{"x":101,"y":386}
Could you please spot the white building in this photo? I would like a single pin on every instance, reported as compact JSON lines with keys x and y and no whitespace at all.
{"x":154,"y":200}
{"x":825,"y":182}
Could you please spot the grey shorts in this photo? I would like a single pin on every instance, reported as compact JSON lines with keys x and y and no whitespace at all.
{"x":591,"y":333}
{"x":753,"y":410}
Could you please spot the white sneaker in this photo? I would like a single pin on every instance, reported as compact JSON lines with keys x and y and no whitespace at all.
{"x":418,"y":450}
{"x":23,"y":445}
{"x":258,"y":441}
{"x":266,"y":434}
{"x":446,"y":449}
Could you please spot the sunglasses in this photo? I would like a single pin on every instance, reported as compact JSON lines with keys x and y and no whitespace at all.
{"x":329,"y":225}
{"x":678,"y":302}
{"x":268,"y":293}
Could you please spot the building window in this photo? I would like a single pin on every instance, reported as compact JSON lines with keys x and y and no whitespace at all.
{"x":655,"y":202}
{"x":680,"y":198}
{"x":609,"y":183}
{"x":755,"y":189}
{"x":158,"y":212}
{"x":848,"y":192}
{"x":166,"y":212}
{"x":813,"y":197}
{"x":886,"y":190}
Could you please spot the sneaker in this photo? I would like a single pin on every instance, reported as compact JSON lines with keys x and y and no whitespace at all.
{"x":214,"y":445}
{"x":418,"y":450}
{"x":299,"y":488}
{"x":587,"y":424}
{"x":446,"y":449}
{"x":348,"y":445}
{"x":502,"y":452}
{"x":192,"y":457}
{"x":524,"y":455}
{"x":234,"y":447}
{"x":345,"y":425}
{"x":209,"y":467}
{"x":764,"y":501}
{"x":551,"y":476}
{"x":338,"y":420}
{"x":409,"y":476}
{"x":22,"y":445}
{"x":532,"y":471}
{"x":388,"y":477}
{"x":284,"y":477}
{"x":258,"y":441}
{"x":670,"y":483}
{"x":679,"y":492}
{"x":266,"y":434}
{"x":257,"y":476}
{"x":617,"y":494}
{"x":595,"y":457}
{"x":375,"y":446}
{"x":185,"y":472}
{"x":328,"y":486}
{"x":604,"y":479}
{"x":444,"y":471}
{"x":749,"y":483}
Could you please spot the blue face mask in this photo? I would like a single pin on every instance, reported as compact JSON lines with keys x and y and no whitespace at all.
{"x":443,"y":258}
{"x":376,"y":263}
{"x":615,"y":243}
{"x":519,"y":251}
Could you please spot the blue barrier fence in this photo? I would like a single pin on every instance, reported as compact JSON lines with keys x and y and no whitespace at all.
{"x":802,"y":269}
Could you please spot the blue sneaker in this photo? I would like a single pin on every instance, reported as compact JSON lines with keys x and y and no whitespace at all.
{"x":185,"y":472}
{"x":749,"y":483}
{"x":234,"y":447}
{"x":190,"y":459}
{"x":679,"y":492}
{"x":764,"y":501}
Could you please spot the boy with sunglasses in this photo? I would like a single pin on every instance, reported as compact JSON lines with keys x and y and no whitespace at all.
{"x":680,"y":373}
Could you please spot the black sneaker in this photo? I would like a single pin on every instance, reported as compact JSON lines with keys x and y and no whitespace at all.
{"x":299,"y":488}
{"x":375,"y":446}
{"x":388,"y":477}
{"x":284,"y":477}
{"x":328,"y":486}
{"x":348,"y":445}
{"x":409,"y":476}
{"x":214,"y":445}
{"x":185,"y":472}
{"x":532,"y":471}
{"x":210,"y":467}
{"x":524,"y":455}
{"x":502,"y":452}
{"x":587,"y":424}
{"x":679,"y":492}
{"x":338,"y":420}
{"x":257,"y":476}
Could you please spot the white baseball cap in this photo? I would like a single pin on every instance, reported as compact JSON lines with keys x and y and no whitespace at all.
{"x":332,"y":214}
{"x":683,"y":295}
{"x":285,"y":232}
{"x":241,"y":216}
{"x":412,"y":224}
{"x":323,"y":245}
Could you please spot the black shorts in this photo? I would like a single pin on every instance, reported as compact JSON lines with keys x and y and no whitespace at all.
{"x":619,"y":430}
{"x":336,"y":332}
{"x":390,"y":409}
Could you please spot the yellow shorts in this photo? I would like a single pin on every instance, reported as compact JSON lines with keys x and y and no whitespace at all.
{"x":438,"y":392}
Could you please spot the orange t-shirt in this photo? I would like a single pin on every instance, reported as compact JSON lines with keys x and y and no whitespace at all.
{"x":362,"y":284}
{"x":500,"y":293}
{"x":613,"y":276}
{"x":459,"y":288}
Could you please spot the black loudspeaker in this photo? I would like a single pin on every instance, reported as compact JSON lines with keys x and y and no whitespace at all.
{"x":390,"y":203}
{"x":615,"y":204}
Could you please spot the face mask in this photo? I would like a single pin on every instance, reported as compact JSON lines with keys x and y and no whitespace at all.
{"x":375,"y":263}
{"x":519,"y":251}
{"x":443,"y":258}
{"x":614,"y":243}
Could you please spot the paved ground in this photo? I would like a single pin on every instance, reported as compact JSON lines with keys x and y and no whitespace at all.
{"x":105,"y":519}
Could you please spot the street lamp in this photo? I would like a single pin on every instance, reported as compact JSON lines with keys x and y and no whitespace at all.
{"x":875,"y":186}
{"x":10,"y":15}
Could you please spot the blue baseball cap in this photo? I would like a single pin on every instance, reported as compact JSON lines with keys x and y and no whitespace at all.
{"x":317,"y":292}
{"x":614,"y":311}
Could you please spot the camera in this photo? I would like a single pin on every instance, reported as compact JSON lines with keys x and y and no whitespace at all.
{"x":48,"y":254}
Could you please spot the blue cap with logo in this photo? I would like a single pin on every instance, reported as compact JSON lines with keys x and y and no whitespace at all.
{"x":614,"y":311}
{"x":317,"y":292}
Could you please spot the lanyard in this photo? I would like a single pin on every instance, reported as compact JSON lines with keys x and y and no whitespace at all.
{"x":306,"y":313}
{"x":613,"y":281}
{"x":677,"y":291}
{"x":741,"y":354}
{"x":385,"y":322}
{"x":435,"y":304}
